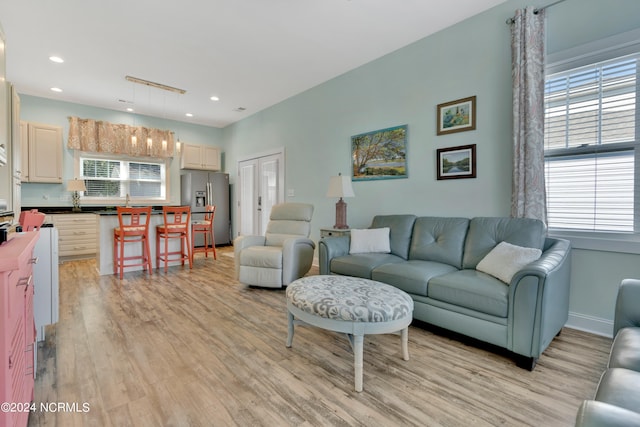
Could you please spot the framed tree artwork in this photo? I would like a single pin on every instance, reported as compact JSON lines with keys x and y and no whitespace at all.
{"x":381,"y":154}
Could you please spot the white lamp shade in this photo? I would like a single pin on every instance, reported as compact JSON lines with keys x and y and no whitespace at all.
{"x":76,"y":185}
{"x":340,"y":186}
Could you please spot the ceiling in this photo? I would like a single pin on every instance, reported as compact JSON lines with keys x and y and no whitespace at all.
{"x":250,"y":53}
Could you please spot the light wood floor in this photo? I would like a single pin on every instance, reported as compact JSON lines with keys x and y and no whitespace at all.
{"x":196,"y":348}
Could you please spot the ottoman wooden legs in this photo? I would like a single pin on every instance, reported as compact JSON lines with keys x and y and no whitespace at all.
{"x":351,"y":305}
{"x":355,"y":331}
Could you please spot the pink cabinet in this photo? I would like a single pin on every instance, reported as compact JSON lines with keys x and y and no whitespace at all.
{"x":17,"y":329}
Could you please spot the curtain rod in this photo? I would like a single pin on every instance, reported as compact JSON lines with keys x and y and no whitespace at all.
{"x":549,"y":5}
{"x":538,"y":10}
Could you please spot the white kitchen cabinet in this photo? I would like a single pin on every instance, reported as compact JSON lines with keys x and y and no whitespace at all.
{"x":203,"y":157}
{"x":77,"y":235}
{"x":41,"y":152}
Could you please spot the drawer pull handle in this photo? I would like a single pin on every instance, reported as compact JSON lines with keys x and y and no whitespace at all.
{"x":24,"y":281}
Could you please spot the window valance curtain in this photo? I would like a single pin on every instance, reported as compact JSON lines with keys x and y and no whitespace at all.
{"x":96,"y":136}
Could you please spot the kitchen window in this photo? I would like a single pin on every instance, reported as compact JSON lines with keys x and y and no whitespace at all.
{"x":591,"y":147}
{"x":112,"y":179}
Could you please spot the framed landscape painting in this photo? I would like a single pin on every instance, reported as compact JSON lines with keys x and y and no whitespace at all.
{"x":381,"y":154}
{"x":457,"y":116}
{"x":457,"y":162}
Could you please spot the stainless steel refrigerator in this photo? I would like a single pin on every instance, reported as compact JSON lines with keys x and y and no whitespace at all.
{"x":201,"y":188}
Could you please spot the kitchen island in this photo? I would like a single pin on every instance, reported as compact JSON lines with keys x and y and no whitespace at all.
{"x":107,"y":220}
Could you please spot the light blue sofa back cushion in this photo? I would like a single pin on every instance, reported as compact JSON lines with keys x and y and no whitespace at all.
{"x":400,"y":228}
{"x":485,"y":233}
{"x":439,"y":239}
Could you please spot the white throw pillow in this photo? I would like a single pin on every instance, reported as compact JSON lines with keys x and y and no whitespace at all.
{"x":506,"y":259}
{"x":370,"y":240}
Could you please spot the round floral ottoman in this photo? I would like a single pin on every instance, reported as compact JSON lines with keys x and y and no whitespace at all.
{"x":350,"y":305}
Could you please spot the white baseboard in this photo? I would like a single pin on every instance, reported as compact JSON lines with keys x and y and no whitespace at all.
{"x":594,"y":325}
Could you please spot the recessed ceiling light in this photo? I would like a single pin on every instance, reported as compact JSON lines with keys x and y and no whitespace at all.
{"x":214,"y":98}
{"x":129,"y":109}
{"x":56,"y":59}
{"x":189,"y":115}
{"x":56,"y":89}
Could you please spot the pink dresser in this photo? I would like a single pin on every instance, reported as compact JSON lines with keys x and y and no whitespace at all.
{"x":17,"y":329}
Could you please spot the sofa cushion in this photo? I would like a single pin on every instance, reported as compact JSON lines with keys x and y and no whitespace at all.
{"x":473,"y":290}
{"x":599,"y":414}
{"x":485,"y":233}
{"x":439,"y":239}
{"x":361,"y":265}
{"x":262,"y":256}
{"x":625,"y":351}
{"x":400,"y":228}
{"x":411,"y":276}
{"x":369,"y":240}
{"x":619,"y":386}
{"x":505,"y":260}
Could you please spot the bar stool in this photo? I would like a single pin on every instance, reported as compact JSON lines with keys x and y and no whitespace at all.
{"x":205,"y":227}
{"x":131,"y":230}
{"x":176,"y":226}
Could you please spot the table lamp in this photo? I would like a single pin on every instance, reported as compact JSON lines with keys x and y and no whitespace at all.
{"x":76,"y":186}
{"x":340,"y":186}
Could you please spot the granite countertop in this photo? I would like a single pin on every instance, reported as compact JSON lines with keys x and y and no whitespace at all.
{"x":98,"y":210}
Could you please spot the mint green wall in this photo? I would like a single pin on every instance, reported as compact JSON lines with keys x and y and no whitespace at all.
{"x":53,"y":112}
{"x":404,"y":87}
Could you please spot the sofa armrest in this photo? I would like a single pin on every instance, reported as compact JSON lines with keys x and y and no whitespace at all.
{"x":599,"y":414}
{"x":550,"y":261}
{"x":627,"y":305}
{"x":539,"y":299}
{"x":242,"y":242}
{"x":331,"y":247}
{"x":297,"y":257}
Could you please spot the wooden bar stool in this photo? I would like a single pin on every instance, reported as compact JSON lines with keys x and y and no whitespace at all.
{"x":204,"y":227}
{"x":176,"y":226}
{"x":131,"y":229}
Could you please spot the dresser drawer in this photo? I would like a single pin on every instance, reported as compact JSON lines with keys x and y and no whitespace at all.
{"x":77,"y":234}
{"x":74,"y":220}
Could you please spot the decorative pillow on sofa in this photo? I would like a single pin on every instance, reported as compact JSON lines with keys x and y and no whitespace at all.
{"x":506,"y":259}
{"x":370,"y":240}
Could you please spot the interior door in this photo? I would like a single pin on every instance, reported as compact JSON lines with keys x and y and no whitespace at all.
{"x":261,"y":185}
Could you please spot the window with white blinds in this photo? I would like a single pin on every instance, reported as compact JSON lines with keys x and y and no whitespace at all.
{"x":115,"y":179}
{"x":590,"y":146}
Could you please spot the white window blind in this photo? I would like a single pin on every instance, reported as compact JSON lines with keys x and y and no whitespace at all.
{"x":114,"y":179}
{"x":590,"y":146}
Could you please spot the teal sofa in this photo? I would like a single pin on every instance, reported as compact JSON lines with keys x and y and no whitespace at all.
{"x":434,"y":260}
{"x":617,"y":399}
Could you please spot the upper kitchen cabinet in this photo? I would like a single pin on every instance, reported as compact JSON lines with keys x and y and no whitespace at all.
{"x":41,"y":152}
{"x":203,"y":157}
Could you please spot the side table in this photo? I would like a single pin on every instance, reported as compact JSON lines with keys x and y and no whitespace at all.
{"x":334,"y":232}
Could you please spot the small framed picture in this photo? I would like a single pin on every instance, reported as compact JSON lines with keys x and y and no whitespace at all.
{"x":457,"y":116}
{"x":457,"y":162}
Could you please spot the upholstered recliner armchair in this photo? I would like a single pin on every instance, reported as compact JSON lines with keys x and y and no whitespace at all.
{"x":283,"y":254}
